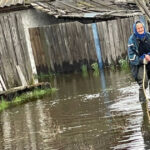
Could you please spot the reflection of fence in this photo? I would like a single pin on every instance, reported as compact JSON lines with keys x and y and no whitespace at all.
{"x":13,"y":50}
{"x":57,"y":47}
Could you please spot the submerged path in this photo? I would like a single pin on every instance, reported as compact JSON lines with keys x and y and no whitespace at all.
{"x":87,"y":113}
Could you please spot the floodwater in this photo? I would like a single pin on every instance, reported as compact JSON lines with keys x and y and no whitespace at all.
{"x":88,"y":112}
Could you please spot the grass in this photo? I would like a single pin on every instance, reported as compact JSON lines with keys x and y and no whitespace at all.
{"x":95,"y":67}
{"x":84,"y":68}
{"x":124,"y":64}
{"x":29,"y":96}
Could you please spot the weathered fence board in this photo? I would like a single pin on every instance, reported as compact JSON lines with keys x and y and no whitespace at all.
{"x":25,"y":55}
{"x":121,"y":37}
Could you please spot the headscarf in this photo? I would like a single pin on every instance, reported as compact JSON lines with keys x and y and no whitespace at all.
{"x":140,"y":36}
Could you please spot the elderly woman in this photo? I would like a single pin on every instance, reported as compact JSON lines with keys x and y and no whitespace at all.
{"x":139,"y":54}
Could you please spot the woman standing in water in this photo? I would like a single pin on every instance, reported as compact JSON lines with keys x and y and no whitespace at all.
{"x":139,"y":54}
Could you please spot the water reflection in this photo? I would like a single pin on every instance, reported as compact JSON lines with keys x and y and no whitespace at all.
{"x":87,"y":113}
{"x":146,"y":125}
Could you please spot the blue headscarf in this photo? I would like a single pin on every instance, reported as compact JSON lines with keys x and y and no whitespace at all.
{"x":140,"y":36}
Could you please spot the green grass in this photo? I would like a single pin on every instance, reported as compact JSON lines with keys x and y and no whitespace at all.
{"x":84,"y":68}
{"x":95,"y":67}
{"x":124,"y":64}
{"x":3,"y":105}
{"x":28,"y":96}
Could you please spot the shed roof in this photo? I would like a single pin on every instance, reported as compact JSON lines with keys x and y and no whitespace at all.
{"x":79,"y":8}
{"x":88,"y":8}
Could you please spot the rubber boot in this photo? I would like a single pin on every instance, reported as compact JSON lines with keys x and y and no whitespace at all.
{"x":141,"y":96}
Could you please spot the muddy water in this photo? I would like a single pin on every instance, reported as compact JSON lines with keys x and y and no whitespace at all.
{"x":88,"y":112}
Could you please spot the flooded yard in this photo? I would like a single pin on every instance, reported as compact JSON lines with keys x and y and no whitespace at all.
{"x":87,"y":112}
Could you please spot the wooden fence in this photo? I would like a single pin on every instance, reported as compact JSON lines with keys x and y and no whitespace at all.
{"x":61,"y":47}
{"x":13,"y":50}
{"x":64,"y":46}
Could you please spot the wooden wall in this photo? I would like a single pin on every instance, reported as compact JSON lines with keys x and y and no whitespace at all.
{"x":114,"y":36}
{"x":13,"y":50}
{"x":57,"y":48}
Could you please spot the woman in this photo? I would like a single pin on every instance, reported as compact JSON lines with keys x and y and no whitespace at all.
{"x":139,"y":54}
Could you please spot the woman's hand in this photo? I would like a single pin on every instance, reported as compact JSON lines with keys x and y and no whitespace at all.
{"x":147,"y":57}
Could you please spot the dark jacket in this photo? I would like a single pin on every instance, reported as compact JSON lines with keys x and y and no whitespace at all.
{"x":134,"y":52}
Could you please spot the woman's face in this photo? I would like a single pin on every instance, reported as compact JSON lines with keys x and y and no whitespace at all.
{"x":140,"y":28}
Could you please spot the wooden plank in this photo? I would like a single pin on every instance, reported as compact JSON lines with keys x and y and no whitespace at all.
{"x":88,"y":36}
{"x":75,"y":44}
{"x":23,"y":44}
{"x":45,"y":45}
{"x":63,"y":45}
{"x":131,"y":20}
{"x":8,"y":39}
{"x":48,"y":50}
{"x":11,"y":93}
{"x":125,"y":38}
{"x":16,"y":43}
{"x":54,"y":45}
{"x":40,"y":48}
{"x":91,"y":43}
{"x":121,"y":37}
{"x":116,"y":40}
{"x":84,"y":37}
{"x":112,"y":51}
{"x":3,"y":86}
{"x":32,"y":33}
{"x":37,"y":49}
{"x":5,"y":58}
{"x":107,"y":41}
{"x":127,"y":23}
{"x":86,"y":44}
{"x":2,"y":66}
{"x":21,"y":76}
{"x":71,"y":42}
{"x":58,"y":49}
{"x":80,"y":32}
{"x":9,"y":50}
{"x":65,"y":34}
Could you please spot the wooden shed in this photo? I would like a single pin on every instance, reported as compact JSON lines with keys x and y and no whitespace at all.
{"x":61,"y":35}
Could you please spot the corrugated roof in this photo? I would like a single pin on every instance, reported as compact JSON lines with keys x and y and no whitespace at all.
{"x":7,"y":3}
{"x":87,"y":8}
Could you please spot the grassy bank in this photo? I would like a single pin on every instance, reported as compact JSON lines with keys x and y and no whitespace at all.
{"x":28,"y":96}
